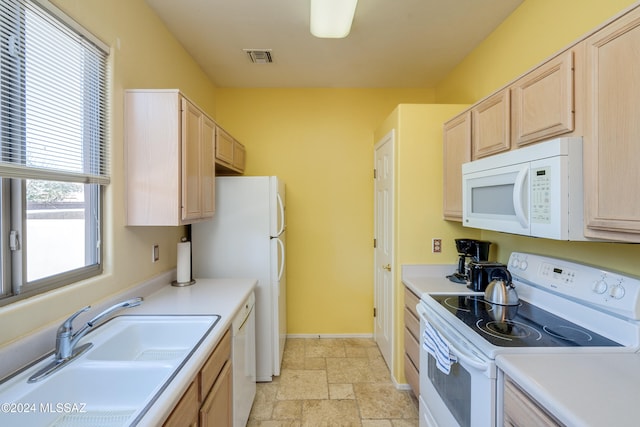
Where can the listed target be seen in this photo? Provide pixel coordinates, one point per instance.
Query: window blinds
(53, 110)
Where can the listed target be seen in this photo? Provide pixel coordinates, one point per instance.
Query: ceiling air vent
(259, 56)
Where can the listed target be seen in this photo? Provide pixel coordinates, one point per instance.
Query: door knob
(387, 267)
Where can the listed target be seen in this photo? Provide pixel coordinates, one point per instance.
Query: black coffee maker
(480, 273)
(468, 250)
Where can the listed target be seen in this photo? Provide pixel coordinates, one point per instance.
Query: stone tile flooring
(332, 382)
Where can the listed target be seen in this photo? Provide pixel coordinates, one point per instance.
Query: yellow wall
(534, 32)
(320, 141)
(418, 200)
(147, 56)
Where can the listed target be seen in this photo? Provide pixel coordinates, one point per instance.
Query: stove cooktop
(524, 325)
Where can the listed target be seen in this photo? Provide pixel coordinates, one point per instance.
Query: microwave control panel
(541, 195)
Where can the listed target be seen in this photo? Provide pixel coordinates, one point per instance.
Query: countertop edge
(157, 302)
(577, 389)
(534, 389)
(222, 297)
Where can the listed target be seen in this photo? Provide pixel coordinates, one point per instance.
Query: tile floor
(333, 382)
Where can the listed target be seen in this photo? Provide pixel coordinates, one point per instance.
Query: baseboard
(330, 336)
(400, 386)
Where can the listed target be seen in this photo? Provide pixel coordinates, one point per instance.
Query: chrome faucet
(66, 339)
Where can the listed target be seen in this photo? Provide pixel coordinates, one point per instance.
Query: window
(53, 157)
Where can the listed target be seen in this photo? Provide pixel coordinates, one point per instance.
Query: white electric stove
(564, 307)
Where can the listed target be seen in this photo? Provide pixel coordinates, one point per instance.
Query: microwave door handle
(518, 197)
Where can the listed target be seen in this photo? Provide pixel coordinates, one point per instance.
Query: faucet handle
(67, 325)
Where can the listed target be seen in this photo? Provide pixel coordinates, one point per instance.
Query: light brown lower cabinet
(216, 410)
(411, 341)
(209, 399)
(185, 413)
(520, 410)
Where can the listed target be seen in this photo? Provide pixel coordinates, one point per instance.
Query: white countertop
(431, 278)
(581, 390)
(206, 297)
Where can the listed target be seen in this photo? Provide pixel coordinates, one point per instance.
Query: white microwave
(533, 191)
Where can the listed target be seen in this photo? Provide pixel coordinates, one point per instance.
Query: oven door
(466, 397)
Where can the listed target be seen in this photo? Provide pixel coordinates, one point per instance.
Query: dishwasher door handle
(244, 321)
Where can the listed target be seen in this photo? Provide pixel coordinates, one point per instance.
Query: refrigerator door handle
(281, 208)
(281, 267)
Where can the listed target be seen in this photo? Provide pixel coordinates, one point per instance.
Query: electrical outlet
(436, 245)
(155, 253)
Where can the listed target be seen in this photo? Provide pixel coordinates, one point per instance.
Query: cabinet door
(456, 151)
(185, 413)
(224, 146)
(208, 168)
(542, 101)
(522, 411)
(490, 123)
(217, 408)
(239, 156)
(191, 150)
(611, 144)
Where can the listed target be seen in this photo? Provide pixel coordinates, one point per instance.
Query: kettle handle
(501, 273)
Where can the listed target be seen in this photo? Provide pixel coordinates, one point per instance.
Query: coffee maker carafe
(468, 250)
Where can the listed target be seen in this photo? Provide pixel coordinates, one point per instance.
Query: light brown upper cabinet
(612, 137)
(169, 159)
(542, 101)
(490, 125)
(456, 151)
(230, 154)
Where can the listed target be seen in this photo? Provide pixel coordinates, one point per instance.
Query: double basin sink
(114, 383)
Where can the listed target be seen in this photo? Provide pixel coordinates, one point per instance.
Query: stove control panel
(608, 290)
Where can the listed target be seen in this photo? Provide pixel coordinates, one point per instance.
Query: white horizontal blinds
(53, 98)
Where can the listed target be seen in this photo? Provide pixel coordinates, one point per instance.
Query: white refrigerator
(246, 239)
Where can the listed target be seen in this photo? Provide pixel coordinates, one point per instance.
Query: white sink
(85, 392)
(148, 338)
(115, 382)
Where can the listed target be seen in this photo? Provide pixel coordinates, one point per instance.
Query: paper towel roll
(184, 262)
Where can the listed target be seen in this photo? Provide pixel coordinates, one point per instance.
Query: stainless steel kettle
(500, 289)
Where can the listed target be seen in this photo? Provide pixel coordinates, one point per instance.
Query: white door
(383, 253)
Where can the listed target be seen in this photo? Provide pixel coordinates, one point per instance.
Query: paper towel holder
(183, 284)
(185, 257)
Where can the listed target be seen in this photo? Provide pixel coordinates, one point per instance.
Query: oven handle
(469, 359)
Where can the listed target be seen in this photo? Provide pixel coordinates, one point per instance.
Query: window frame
(13, 204)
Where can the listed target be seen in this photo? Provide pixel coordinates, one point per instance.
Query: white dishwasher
(244, 361)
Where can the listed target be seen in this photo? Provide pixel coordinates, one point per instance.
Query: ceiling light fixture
(332, 18)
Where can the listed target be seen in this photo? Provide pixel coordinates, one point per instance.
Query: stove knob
(515, 262)
(599, 287)
(616, 291)
(524, 265)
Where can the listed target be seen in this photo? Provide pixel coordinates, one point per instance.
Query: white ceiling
(393, 43)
